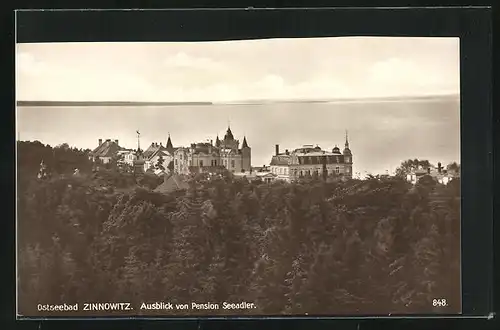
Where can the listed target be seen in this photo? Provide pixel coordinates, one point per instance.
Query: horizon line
(237, 102)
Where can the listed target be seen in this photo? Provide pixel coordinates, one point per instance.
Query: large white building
(310, 161)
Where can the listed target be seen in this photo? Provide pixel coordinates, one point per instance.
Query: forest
(373, 246)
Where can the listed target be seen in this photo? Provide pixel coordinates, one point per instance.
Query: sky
(225, 71)
(382, 132)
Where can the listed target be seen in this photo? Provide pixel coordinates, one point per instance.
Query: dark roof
(149, 151)
(107, 149)
(169, 143)
(173, 183)
(229, 135)
(280, 160)
(245, 144)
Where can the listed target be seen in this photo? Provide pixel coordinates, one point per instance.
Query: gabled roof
(150, 150)
(169, 143)
(173, 183)
(106, 149)
(229, 135)
(161, 151)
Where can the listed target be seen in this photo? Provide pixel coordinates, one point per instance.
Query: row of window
(284, 171)
(213, 163)
(317, 160)
(315, 172)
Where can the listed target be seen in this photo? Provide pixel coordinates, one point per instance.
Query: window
(347, 169)
(190, 163)
(337, 159)
(201, 163)
(232, 163)
(176, 162)
(337, 170)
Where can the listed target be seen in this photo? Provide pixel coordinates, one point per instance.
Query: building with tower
(310, 161)
(198, 157)
(210, 156)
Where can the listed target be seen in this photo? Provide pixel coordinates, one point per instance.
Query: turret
(347, 151)
(229, 135)
(347, 158)
(246, 152)
(245, 144)
(169, 145)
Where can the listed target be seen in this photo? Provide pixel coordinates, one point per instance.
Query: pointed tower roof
(217, 141)
(169, 143)
(347, 151)
(245, 144)
(229, 134)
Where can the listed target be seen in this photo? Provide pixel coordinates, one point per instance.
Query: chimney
(100, 141)
(428, 170)
(287, 152)
(439, 167)
(211, 142)
(116, 141)
(277, 149)
(108, 140)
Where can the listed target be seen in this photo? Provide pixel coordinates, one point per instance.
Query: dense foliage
(374, 246)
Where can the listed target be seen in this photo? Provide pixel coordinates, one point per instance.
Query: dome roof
(336, 150)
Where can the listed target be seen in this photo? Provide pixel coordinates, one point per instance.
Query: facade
(157, 150)
(224, 153)
(129, 156)
(312, 161)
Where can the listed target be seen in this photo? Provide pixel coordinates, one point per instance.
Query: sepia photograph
(267, 177)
